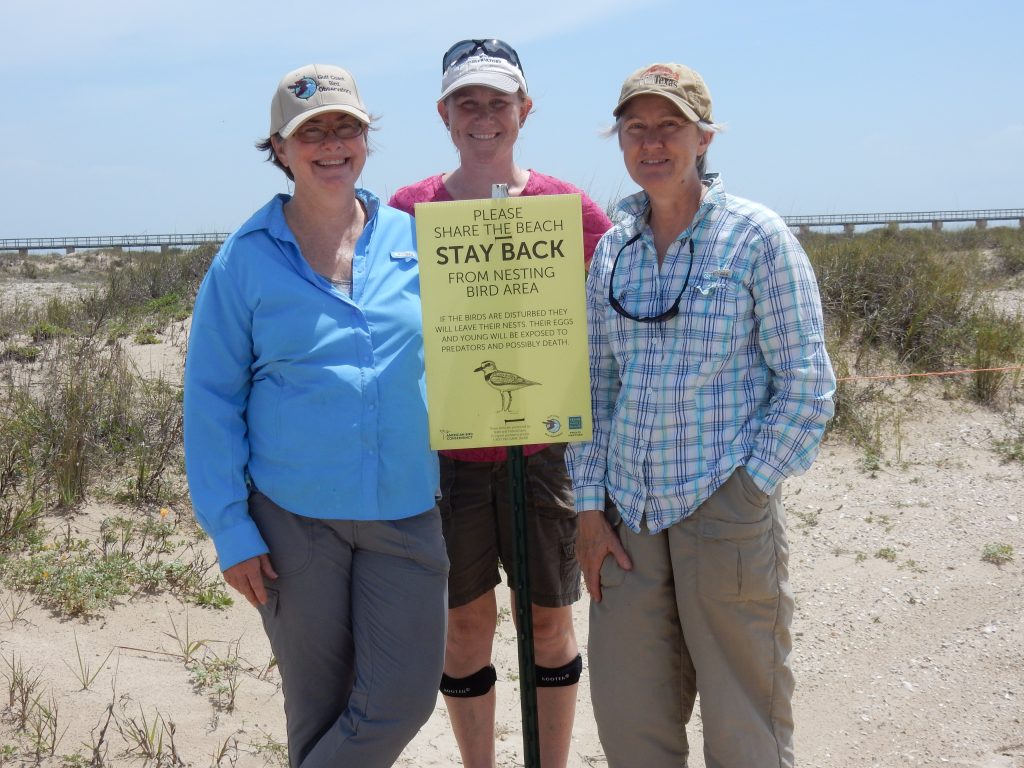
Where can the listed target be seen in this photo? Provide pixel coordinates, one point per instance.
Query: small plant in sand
(218, 677)
(23, 688)
(997, 554)
(85, 673)
(1011, 447)
(146, 336)
(43, 727)
(227, 751)
(886, 553)
(12, 606)
(273, 751)
(19, 353)
(151, 739)
(77, 577)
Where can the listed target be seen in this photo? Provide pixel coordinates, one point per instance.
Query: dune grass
(78, 421)
(917, 301)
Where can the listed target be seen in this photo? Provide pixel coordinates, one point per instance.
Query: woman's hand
(594, 542)
(246, 577)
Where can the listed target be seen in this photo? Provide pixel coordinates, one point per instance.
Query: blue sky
(135, 116)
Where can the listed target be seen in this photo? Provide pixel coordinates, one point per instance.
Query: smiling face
(483, 122)
(318, 158)
(660, 147)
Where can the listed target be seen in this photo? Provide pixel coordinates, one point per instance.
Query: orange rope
(930, 373)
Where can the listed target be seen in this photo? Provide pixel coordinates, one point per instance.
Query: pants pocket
(750, 488)
(612, 574)
(736, 554)
(288, 536)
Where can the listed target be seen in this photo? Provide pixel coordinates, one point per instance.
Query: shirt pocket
(705, 330)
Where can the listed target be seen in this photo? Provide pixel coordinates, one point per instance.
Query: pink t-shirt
(595, 224)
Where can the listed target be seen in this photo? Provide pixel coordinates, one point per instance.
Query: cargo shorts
(476, 515)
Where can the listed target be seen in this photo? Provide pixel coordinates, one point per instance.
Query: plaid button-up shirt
(739, 377)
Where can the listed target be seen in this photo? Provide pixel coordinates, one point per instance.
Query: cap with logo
(680, 85)
(314, 90)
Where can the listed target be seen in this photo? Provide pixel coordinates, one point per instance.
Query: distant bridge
(110, 242)
(848, 221)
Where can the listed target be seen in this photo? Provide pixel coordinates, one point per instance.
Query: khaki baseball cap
(313, 90)
(680, 85)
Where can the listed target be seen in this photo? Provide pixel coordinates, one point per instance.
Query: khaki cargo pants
(706, 609)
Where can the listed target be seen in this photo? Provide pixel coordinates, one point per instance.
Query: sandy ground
(913, 659)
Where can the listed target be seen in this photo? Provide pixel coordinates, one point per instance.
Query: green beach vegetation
(83, 423)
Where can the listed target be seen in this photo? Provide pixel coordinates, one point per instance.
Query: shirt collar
(271, 216)
(631, 212)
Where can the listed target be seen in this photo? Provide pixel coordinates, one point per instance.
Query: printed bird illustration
(505, 382)
(303, 87)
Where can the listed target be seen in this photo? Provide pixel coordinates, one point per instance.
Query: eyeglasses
(314, 134)
(668, 313)
(466, 48)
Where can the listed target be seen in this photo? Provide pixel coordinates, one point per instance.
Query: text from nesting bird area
(478, 331)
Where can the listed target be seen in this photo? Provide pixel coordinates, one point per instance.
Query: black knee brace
(558, 677)
(477, 684)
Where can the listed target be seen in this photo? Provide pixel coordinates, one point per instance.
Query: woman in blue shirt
(306, 437)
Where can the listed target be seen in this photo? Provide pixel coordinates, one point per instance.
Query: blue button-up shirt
(739, 377)
(316, 397)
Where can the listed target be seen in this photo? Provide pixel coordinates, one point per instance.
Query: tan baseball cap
(680, 85)
(313, 90)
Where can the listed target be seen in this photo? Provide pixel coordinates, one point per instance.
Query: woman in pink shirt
(483, 104)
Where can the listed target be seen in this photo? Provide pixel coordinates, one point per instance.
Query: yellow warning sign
(504, 321)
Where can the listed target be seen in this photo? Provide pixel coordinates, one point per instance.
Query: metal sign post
(524, 601)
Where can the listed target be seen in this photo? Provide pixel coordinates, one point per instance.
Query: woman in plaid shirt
(710, 384)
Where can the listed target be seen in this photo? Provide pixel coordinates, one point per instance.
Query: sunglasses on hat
(465, 48)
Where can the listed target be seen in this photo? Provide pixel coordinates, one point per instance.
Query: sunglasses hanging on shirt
(669, 313)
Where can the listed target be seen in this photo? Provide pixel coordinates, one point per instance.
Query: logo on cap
(658, 75)
(303, 88)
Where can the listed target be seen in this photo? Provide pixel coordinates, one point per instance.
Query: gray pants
(356, 620)
(707, 608)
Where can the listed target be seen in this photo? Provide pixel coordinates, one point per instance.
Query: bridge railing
(848, 221)
(111, 241)
(917, 217)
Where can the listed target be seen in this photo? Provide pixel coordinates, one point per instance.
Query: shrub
(886, 288)
(996, 343)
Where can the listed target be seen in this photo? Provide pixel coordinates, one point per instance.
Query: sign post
(524, 596)
(504, 330)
